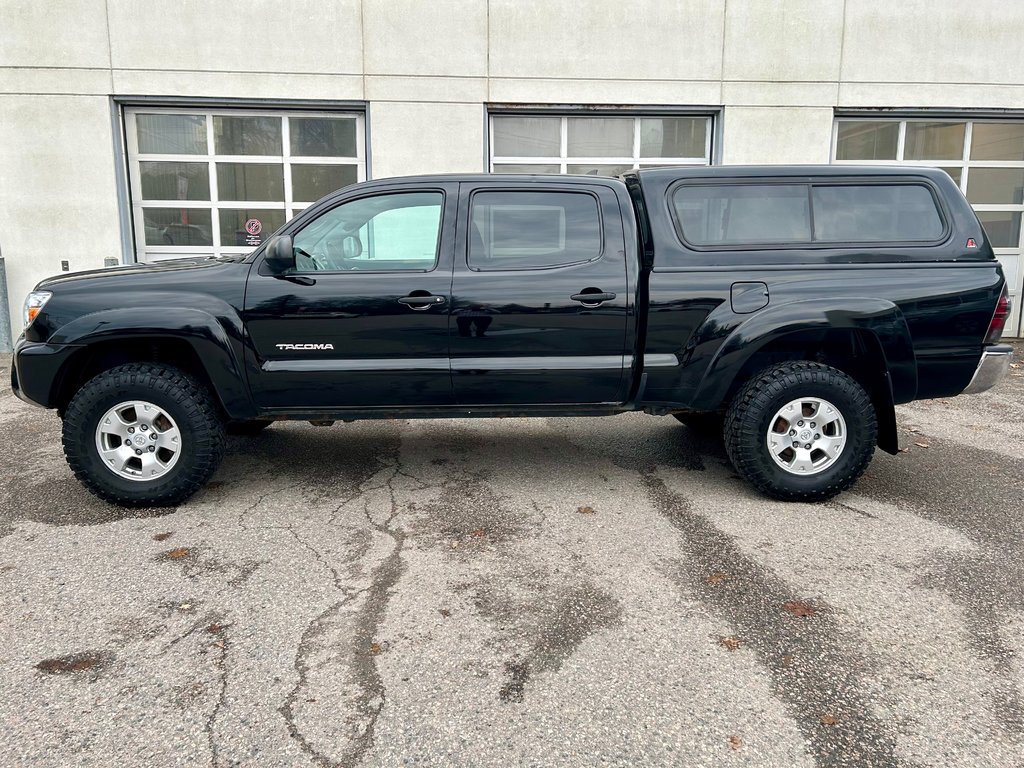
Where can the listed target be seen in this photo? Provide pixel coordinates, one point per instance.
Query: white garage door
(216, 182)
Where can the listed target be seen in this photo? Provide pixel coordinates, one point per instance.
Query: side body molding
(880, 322)
(217, 339)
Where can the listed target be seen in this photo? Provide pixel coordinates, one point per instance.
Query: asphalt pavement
(543, 592)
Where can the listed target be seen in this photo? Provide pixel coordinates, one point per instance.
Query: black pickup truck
(788, 308)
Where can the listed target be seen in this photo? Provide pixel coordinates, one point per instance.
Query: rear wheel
(143, 435)
(801, 431)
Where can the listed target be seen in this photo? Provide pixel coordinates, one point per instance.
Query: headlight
(34, 302)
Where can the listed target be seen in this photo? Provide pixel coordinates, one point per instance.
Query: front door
(540, 303)
(363, 321)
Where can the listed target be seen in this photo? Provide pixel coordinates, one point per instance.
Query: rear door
(364, 320)
(540, 307)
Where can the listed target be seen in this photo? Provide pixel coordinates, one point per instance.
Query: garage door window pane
(756, 213)
(178, 226)
(533, 230)
(875, 213)
(867, 140)
(247, 135)
(250, 181)
(503, 168)
(955, 174)
(248, 226)
(171, 134)
(934, 141)
(175, 181)
(998, 141)
(527, 136)
(311, 182)
(600, 137)
(322, 137)
(673, 136)
(996, 186)
(1002, 228)
(599, 170)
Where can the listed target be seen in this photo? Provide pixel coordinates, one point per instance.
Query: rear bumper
(992, 368)
(35, 370)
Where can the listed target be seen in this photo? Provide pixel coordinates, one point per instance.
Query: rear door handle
(592, 299)
(420, 302)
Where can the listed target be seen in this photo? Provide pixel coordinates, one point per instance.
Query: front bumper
(992, 368)
(36, 370)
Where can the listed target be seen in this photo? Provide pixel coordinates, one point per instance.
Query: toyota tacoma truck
(787, 308)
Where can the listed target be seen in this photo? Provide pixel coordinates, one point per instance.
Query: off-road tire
(247, 428)
(185, 399)
(757, 402)
(704, 424)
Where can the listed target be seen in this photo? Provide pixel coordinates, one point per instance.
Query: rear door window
(533, 230)
(869, 213)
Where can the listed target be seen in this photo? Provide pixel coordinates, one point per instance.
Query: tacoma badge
(305, 346)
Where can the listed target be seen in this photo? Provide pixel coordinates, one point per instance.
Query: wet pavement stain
(552, 621)
(467, 515)
(814, 663)
(194, 564)
(987, 585)
(76, 663)
(514, 691)
(370, 605)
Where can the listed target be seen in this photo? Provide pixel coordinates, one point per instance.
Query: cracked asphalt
(519, 592)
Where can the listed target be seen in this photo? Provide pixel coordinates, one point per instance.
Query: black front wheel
(801, 431)
(143, 435)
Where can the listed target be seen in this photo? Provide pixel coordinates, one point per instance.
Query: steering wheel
(310, 257)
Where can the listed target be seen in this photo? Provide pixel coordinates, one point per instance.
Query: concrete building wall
(428, 72)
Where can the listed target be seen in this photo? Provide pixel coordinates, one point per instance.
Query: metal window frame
(712, 137)
(127, 160)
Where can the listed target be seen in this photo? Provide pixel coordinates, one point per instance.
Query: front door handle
(592, 298)
(421, 300)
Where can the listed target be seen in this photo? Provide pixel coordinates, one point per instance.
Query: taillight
(999, 318)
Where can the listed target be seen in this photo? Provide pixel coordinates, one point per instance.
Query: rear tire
(187, 406)
(758, 434)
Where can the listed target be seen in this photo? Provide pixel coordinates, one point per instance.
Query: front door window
(380, 233)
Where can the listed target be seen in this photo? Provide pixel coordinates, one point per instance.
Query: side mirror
(280, 254)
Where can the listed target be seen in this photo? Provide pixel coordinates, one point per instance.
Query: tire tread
(744, 447)
(186, 392)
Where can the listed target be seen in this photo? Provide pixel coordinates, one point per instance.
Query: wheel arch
(189, 339)
(868, 339)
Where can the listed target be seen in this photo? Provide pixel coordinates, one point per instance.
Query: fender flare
(217, 344)
(879, 320)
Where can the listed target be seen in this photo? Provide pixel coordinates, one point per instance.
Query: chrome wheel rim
(137, 440)
(806, 436)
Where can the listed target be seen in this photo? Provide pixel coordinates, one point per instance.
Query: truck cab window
(533, 230)
(380, 233)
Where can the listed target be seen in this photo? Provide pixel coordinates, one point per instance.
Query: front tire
(143, 434)
(801, 431)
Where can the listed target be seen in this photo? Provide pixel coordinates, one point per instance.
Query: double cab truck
(787, 308)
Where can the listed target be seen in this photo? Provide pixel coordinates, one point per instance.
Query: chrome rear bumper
(992, 368)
